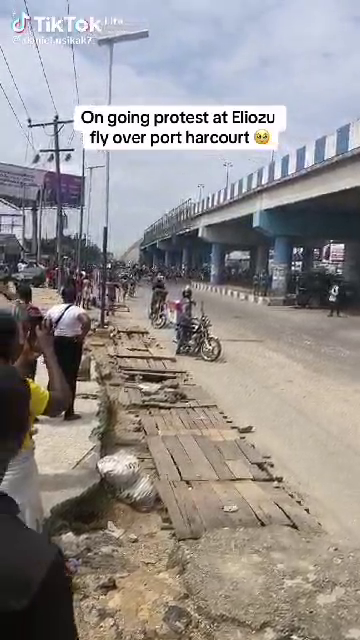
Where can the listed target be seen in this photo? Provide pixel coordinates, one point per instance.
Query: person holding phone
(28, 317)
(21, 480)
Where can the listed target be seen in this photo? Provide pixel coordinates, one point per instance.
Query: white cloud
(303, 55)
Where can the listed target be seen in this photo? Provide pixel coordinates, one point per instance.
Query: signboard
(17, 182)
(24, 183)
(71, 188)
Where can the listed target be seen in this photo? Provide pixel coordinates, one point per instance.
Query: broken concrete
(275, 584)
(67, 452)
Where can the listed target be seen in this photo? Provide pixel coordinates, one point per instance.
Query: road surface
(294, 375)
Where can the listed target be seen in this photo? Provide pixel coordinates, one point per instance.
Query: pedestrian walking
(71, 325)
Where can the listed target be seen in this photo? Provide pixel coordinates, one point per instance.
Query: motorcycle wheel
(159, 321)
(211, 349)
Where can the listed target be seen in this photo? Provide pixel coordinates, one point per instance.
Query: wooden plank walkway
(208, 476)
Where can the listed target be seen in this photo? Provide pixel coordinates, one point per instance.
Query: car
(32, 274)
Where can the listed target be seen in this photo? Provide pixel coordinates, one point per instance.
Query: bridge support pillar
(282, 265)
(352, 263)
(168, 259)
(262, 258)
(217, 263)
(186, 260)
(307, 259)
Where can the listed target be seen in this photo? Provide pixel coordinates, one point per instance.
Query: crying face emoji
(262, 136)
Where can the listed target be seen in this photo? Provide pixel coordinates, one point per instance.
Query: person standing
(21, 480)
(35, 588)
(334, 300)
(71, 325)
(28, 316)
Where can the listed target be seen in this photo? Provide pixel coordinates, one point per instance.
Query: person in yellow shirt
(21, 481)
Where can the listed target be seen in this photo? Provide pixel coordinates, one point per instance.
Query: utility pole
(82, 205)
(59, 226)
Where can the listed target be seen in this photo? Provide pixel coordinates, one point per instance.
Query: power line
(14, 81)
(73, 61)
(16, 116)
(40, 58)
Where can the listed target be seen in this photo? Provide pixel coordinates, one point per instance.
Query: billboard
(71, 189)
(17, 182)
(24, 183)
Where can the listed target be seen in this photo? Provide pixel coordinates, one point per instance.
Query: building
(10, 249)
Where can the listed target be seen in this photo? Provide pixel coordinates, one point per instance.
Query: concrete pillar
(252, 261)
(281, 266)
(217, 263)
(307, 259)
(167, 259)
(186, 259)
(262, 258)
(352, 263)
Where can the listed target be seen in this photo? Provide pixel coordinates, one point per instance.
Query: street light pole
(201, 188)
(107, 198)
(227, 166)
(110, 40)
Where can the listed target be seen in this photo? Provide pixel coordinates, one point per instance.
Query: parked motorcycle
(201, 342)
(159, 317)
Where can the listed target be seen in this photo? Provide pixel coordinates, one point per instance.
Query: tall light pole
(228, 166)
(109, 41)
(201, 191)
(90, 169)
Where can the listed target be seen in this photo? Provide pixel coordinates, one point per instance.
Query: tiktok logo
(19, 25)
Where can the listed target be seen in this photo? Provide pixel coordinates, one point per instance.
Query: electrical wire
(14, 81)
(16, 116)
(40, 58)
(73, 60)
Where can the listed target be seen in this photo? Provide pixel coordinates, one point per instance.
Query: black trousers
(69, 352)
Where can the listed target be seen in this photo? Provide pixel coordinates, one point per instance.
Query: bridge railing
(345, 140)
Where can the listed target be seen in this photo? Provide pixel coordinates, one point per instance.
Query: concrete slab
(273, 583)
(67, 453)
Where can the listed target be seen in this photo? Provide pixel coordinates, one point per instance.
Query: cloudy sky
(300, 54)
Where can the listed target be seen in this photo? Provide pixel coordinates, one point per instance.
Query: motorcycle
(201, 342)
(158, 317)
(132, 289)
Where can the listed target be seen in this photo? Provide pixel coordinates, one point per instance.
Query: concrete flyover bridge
(303, 199)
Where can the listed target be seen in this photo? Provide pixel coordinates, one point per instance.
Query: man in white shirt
(71, 325)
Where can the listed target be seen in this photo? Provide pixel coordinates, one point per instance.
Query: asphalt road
(293, 375)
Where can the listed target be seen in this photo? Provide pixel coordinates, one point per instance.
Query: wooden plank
(204, 470)
(301, 520)
(215, 458)
(209, 505)
(178, 424)
(235, 460)
(182, 460)
(162, 458)
(149, 425)
(187, 504)
(261, 503)
(250, 452)
(167, 495)
(229, 496)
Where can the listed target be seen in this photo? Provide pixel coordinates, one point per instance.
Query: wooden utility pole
(59, 222)
(81, 222)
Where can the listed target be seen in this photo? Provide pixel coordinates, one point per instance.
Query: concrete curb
(67, 455)
(232, 293)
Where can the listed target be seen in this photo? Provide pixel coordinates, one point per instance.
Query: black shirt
(35, 592)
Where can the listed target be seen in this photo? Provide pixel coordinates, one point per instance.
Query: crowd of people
(35, 583)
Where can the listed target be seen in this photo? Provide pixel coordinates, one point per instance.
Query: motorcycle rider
(159, 294)
(184, 326)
